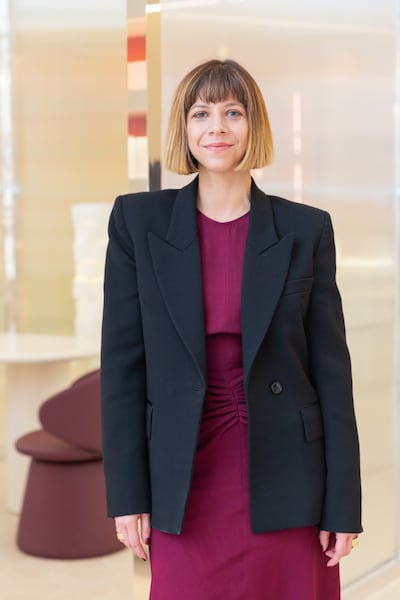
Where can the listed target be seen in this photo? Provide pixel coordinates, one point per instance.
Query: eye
(200, 114)
(234, 113)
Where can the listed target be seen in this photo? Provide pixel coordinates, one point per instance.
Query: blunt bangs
(217, 84)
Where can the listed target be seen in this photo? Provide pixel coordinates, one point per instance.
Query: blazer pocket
(312, 422)
(298, 286)
(149, 420)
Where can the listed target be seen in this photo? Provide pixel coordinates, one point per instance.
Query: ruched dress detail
(217, 557)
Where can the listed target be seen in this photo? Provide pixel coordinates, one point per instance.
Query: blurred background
(85, 90)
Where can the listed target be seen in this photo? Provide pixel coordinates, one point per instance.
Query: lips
(217, 146)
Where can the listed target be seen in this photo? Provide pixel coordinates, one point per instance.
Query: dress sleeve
(123, 377)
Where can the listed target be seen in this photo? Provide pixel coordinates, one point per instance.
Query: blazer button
(276, 387)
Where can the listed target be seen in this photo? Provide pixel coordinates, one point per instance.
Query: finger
(145, 528)
(123, 536)
(324, 539)
(128, 527)
(134, 542)
(342, 548)
(121, 531)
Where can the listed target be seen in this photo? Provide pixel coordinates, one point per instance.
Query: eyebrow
(229, 103)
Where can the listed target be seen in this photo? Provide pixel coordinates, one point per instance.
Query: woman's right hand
(135, 532)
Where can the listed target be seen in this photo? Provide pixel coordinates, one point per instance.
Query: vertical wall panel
(70, 110)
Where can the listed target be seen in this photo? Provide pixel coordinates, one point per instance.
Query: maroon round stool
(73, 414)
(64, 508)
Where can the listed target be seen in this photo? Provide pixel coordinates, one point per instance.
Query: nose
(217, 124)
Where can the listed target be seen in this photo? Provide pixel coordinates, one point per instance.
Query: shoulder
(307, 223)
(303, 219)
(291, 209)
(145, 211)
(143, 202)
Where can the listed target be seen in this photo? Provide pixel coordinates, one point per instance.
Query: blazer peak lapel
(177, 266)
(266, 264)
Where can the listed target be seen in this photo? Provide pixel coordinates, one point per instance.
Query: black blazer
(303, 446)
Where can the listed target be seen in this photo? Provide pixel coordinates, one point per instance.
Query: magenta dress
(217, 556)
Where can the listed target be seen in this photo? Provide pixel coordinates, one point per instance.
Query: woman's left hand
(343, 545)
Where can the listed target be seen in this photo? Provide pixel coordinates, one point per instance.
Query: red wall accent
(137, 124)
(136, 48)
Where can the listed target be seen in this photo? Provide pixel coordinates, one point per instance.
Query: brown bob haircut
(216, 81)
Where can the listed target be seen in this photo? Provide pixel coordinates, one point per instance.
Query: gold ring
(120, 536)
(355, 542)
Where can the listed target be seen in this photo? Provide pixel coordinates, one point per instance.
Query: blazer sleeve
(123, 377)
(331, 374)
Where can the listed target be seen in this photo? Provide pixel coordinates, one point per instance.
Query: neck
(222, 196)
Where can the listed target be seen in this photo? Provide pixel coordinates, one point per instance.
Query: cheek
(191, 145)
(243, 135)
(246, 136)
(192, 135)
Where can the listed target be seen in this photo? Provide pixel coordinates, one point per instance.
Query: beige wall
(70, 120)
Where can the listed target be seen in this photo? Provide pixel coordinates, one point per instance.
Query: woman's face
(217, 134)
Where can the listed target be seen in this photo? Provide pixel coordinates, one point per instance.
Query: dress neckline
(203, 216)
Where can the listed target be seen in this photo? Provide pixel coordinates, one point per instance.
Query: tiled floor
(385, 586)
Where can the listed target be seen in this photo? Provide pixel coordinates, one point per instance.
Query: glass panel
(69, 111)
(327, 71)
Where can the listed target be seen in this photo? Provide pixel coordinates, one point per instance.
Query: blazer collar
(183, 224)
(262, 233)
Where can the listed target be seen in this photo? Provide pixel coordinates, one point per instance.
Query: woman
(230, 442)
